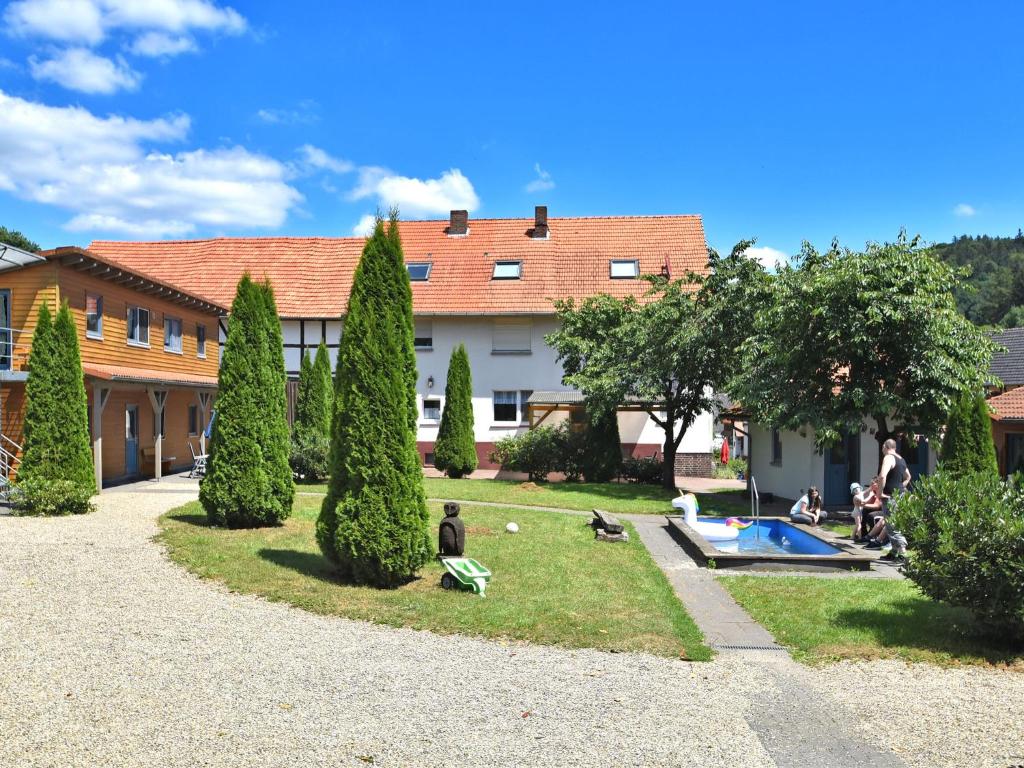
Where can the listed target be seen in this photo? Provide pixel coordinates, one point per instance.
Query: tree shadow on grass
(196, 519)
(311, 564)
(927, 625)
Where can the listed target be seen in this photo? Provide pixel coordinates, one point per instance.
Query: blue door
(915, 453)
(131, 440)
(842, 466)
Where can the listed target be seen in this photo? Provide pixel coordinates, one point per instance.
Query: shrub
(455, 449)
(310, 455)
(248, 482)
(967, 446)
(731, 469)
(646, 470)
(57, 445)
(39, 496)
(967, 535)
(373, 523)
(535, 452)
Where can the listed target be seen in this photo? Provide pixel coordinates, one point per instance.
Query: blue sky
(785, 122)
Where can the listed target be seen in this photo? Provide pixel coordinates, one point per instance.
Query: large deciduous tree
(668, 351)
(248, 482)
(455, 449)
(848, 335)
(373, 524)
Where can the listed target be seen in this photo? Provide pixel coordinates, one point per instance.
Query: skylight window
(507, 270)
(419, 271)
(625, 268)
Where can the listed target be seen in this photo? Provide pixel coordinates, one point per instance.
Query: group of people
(871, 524)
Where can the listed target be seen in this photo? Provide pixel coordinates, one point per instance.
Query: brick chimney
(458, 223)
(540, 221)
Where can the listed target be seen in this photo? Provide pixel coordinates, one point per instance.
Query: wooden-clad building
(150, 354)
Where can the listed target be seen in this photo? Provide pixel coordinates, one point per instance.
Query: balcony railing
(14, 349)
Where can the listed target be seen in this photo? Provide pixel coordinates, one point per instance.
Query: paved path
(110, 655)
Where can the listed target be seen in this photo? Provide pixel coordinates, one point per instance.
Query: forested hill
(997, 274)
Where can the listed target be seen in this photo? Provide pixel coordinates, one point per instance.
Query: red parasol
(725, 452)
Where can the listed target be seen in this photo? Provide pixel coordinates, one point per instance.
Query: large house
(487, 283)
(149, 353)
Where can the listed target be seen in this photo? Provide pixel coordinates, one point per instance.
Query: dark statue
(451, 535)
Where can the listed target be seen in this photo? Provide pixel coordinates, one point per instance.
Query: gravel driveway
(110, 655)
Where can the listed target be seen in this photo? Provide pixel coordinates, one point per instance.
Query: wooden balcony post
(99, 402)
(158, 399)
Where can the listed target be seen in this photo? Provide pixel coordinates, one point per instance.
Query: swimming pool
(772, 537)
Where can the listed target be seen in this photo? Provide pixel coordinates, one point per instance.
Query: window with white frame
(93, 316)
(172, 334)
(138, 326)
(507, 270)
(423, 336)
(512, 337)
(624, 269)
(432, 409)
(419, 271)
(506, 406)
(200, 340)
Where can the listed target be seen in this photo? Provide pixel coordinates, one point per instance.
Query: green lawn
(829, 619)
(553, 583)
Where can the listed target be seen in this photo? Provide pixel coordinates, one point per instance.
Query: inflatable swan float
(710, 531)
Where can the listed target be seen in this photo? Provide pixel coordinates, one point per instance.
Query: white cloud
(306, 113)
(770, 258)
(543, 182)
(315, 158)
(101, 170)
(364, 227)
(161, 44)
(79, 69)
(89, 21)
(417, 197)
(964, 210)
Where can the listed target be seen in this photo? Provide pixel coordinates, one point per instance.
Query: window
(172, 334)
(201, 340)
(193, 420)
(138, 326)
(507, 270)
(776, 447)
(432, 410)
(419, 271)
(524, 395)
(93, 316)
(506, 406)
(163, 431)
(428, 458)
(511, 337)
(423, 336)
(624, 268)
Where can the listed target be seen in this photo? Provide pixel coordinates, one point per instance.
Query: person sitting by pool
(865, 502)
(807, 509)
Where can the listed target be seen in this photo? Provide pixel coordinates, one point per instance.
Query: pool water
(777, 537)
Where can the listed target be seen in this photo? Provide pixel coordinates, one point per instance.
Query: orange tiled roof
(146, 375)
(312, 276)
(1008, 406)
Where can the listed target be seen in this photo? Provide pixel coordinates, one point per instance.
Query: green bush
(310, 455)
(373, 523)
(39, 496)
(248, 482)
(967, 539)
(455, 449)
(602, 447)
(646, 470)
(967, 446)
(536, 452)
(730, 470)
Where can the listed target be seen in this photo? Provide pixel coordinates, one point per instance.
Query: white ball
(512, 528)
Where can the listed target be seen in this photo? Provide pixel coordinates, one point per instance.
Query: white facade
(508, 360)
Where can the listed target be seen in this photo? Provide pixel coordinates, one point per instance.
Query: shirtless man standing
(893, 477)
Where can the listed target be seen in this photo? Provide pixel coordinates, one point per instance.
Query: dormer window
(507, 270)
(419, 271)
(624, 269)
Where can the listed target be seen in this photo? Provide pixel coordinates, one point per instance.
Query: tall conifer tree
(455, 449)
(967, 446)
(373, 522)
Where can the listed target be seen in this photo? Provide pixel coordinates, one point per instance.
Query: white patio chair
(198, 462)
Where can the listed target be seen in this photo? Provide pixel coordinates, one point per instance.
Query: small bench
(607, 527)
(149, 462)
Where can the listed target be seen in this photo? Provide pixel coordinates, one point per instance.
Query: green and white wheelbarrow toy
(464, 573)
